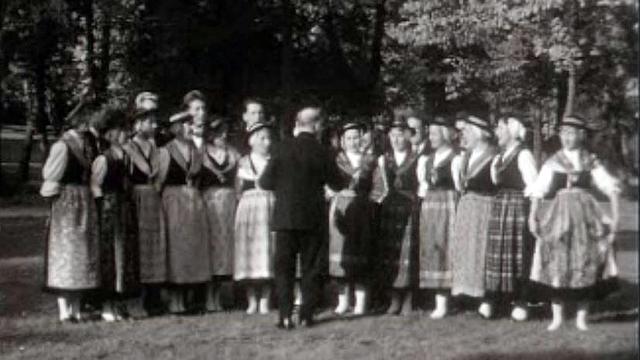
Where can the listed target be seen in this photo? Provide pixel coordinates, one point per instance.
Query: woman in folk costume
(218, 180)
(510, 246)
(111, 187)
(471, 230)
(185, 224)
(574, 248)
(437, 213)
(350, 221)
(72, 258)
(397, 171)
(253, 260)
(141, 151)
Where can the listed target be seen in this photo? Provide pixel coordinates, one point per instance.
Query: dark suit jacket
(297, 172)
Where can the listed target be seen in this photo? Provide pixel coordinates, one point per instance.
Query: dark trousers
(288, 244)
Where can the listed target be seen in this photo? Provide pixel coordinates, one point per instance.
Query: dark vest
(116, 178)
(209, 178)
(509, 176)
(580, 179)
(440, 177)
(137, 176)
(401, 178)
(75, 173)
(481, 181)
(176, 175)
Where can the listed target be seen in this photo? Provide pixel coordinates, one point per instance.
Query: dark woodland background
(355, 58)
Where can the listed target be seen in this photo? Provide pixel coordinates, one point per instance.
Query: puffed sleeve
(542, 185)
(421, 173)
(98, 173)
(456, 172)
(528, 169)
(604, 181)
(53, 169)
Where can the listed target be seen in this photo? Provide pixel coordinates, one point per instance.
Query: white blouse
(526, 165)
(98, 173)
(603, 180)
(55, 165)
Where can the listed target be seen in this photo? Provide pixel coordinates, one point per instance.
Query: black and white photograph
(319, 179)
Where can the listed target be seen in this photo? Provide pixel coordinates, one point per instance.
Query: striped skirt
(152, 246)
(349, 236)
(118, 245)
(186, 229)
(397, 219)
(72, 252)
(437, 222)
(254, 240)
(469, 245)
(571, 256)
(221, 210)
(509, 247)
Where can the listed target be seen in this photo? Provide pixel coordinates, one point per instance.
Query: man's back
(297, 173)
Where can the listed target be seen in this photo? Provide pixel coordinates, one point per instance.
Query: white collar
(511, 148)
(197, 140)
(400, 156)
(354, 159)
(574, 158)
(440, 156)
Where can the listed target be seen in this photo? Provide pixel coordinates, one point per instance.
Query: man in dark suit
(297, 172)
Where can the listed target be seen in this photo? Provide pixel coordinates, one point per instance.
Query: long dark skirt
(509, 246)
(437, 222)
(152, 245)
(221, 209)
(187, 232)
(568, 262)
(349, 236)
(118, 245)
(72, 251)
(397, 216)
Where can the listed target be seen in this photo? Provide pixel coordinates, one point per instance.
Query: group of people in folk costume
(457, 212)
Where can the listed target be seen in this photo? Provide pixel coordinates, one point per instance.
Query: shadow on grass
(556, 355)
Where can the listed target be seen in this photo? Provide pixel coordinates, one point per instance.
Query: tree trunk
(105, 56)
(571, 93)
(537, 135)
(375, 61)
(3, 72)
(41, 109)
(286, 76)
(23, 166)
(91, 43)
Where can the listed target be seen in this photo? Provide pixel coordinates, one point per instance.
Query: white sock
(361, 300)
(519, 313)
(441, 307)
(581, 318)
(64, 308)
(485, 309)
(252, 298)
(556, 310)
(108, 312)
(264, 300)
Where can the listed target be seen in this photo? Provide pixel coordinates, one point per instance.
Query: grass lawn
(29, 327)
